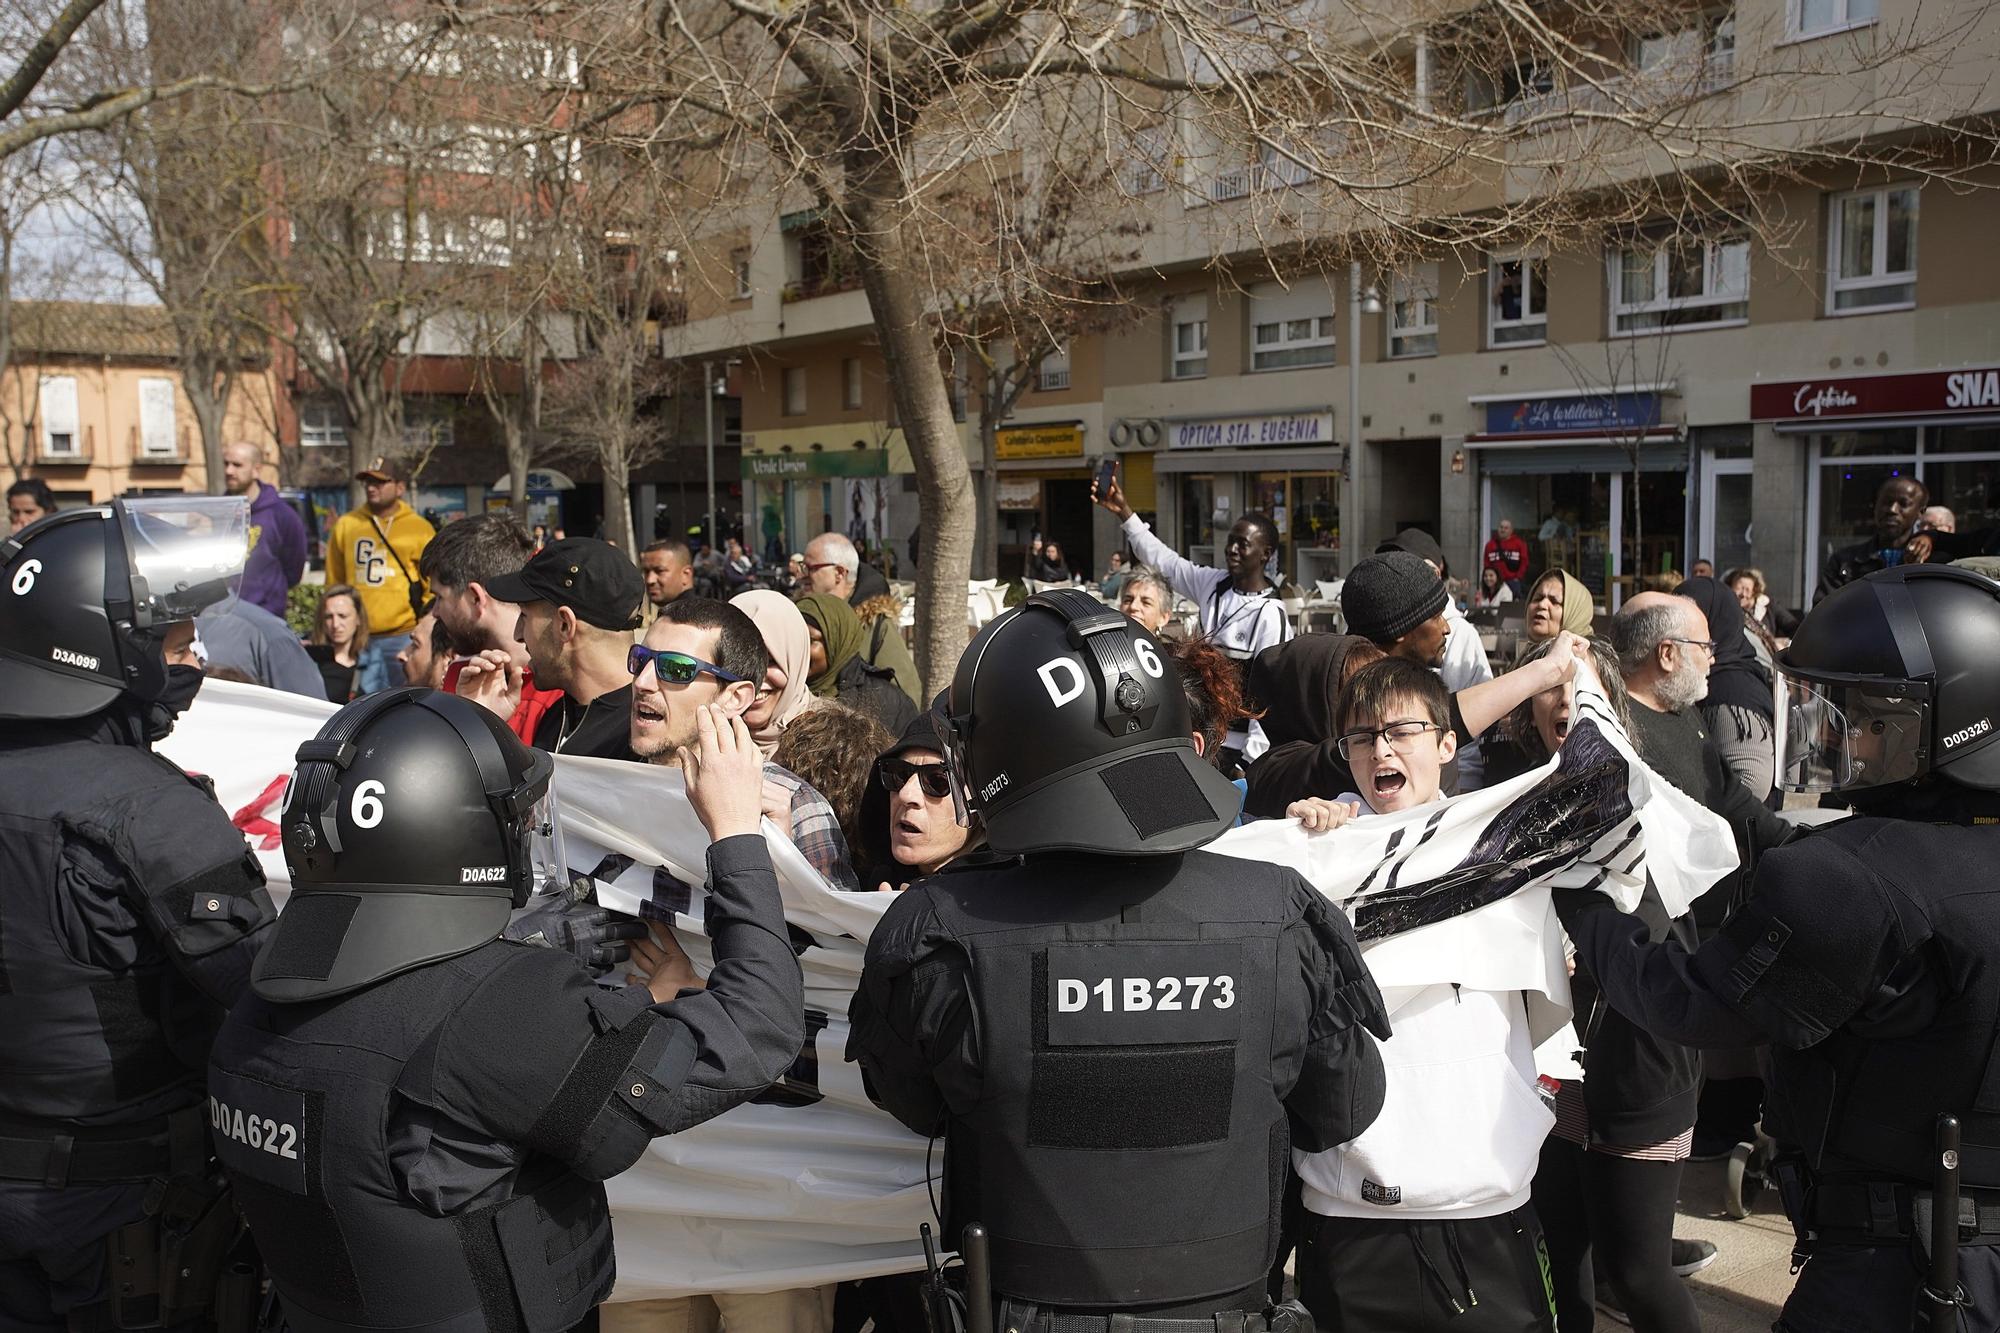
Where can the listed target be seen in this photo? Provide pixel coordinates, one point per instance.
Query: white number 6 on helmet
(1148, 659)
(24, 577)
(367, 805)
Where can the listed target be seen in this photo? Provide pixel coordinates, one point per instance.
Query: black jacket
(873, 690)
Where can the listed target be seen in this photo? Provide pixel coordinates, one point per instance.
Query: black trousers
(1612, 1217)
(1471, 1275)
(52, 1248)
(1874, 1289)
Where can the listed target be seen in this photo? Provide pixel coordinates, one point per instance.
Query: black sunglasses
(672, 668)
(933, 779)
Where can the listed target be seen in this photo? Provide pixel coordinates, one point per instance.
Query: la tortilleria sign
(1251, 432)
(1938, 393)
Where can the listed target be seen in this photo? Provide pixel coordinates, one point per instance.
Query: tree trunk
(526, 421)
(209, 408)
(947, 508)
(618, 527)
(374, 428)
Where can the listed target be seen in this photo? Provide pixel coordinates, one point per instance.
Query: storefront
(1941, 427)
(1596, 483)
(545, 488)
(1213, 470)
(794, 496)
(1043, 486)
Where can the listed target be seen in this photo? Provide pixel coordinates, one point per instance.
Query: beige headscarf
(784, 631)
(1579, 610)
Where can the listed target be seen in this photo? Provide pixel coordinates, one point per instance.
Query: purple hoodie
(277, 551)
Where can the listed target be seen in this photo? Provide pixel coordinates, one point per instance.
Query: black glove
(595, 935)
(1572, 905)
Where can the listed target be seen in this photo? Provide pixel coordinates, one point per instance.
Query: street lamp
(1358, 300)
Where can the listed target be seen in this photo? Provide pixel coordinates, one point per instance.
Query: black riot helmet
(1893, 677)
(87, 596)
(1068, 728)
(415, 823)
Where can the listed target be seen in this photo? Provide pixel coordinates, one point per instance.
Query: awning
(539, 479)
(1835, 425)
(1318, 458)
(1523, 455)
(1645, 439)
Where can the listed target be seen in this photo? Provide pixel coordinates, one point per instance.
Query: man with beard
(461, 565)
(1664, 653)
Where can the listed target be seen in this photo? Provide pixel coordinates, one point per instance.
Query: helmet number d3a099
(24, 577)
(366, 808)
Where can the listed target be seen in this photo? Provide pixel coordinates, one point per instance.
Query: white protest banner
(816, 1185)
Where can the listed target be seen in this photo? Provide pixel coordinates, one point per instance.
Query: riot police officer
(1110, 1027)
(1867, 952)
(130, 911)
(417, 1115)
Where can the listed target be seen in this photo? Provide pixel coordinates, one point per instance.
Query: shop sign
(1287, 428)
(1934, 392)
(1593, 412)
(827, 463)
(1057, 441)
(1018, 494)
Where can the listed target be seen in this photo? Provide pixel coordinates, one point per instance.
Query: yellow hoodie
(356, 555)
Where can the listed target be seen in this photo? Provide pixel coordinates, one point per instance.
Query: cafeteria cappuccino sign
(1941, 393)
(1252, 432)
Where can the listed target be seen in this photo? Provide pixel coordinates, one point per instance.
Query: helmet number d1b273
(24, 577)
(366, 808)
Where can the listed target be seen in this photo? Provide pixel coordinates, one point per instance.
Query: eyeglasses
(1694, 643)
(672, 668)
(824, 564)
(934, 779)
(1402, 738)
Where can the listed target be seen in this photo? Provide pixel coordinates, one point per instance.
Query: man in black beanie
(1396, 601)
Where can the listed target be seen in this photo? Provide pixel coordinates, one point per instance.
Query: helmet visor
(1839, 736)
(542, 828)
(187, 552)
(954, 757)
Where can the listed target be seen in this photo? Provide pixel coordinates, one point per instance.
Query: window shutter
(156, 417)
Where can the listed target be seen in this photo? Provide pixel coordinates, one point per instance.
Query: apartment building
(1632, 404)
(91, 403)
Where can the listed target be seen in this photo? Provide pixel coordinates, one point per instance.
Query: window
(850, 383)
(739, 264)
(795, 391)
(1872, 238)
(1190, 358)
(427, 424)
(1413, 326)
(1291, 328)
(1277, 170)
(156, 418)
(1701, 55)
(321, 423)
(61, 436)
(1684, 282)
(1143, 171)
(1811, 17)
(1518, 301)
(1052, 375)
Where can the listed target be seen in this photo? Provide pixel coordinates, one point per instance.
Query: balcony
(1675, 81)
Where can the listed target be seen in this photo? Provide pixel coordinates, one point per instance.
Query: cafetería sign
(1932, 393)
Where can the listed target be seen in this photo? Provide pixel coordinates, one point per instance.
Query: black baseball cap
(590, 577)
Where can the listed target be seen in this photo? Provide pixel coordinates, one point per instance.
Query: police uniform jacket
(1865, 954)
(426, 1153)
(1113, 1049)
(130, 913)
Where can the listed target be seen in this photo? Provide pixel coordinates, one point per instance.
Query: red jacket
(527, 713)
(1508, 555)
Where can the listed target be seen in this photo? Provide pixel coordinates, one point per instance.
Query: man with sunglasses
(579, 603)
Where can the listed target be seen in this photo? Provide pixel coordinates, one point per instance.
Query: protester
(1507, 555)
(1295, 691)
(1113, 582)
(834, 567)
(909, 822)
(28, 499)
(579, 603)
(1214, 689)
(277, 535)
(1046, 564)
(669, 569)
(783, 695)
(461, 565)
(838, 669)
(1610, 1170)
(339, 637)
(833, 749)
(1899, 504)
(1147, 599)
(376, 548)
(1492, 591)
(1464, 662)
(1739, 708)
(699, 651)
(1559, 602)
(240, 634)
(1454, 1147)
(428, 653)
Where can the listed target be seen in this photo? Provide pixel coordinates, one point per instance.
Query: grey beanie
(1389, 595)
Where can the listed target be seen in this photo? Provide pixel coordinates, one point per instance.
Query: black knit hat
(1389, 595)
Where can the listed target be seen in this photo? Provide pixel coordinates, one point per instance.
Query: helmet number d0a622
(366, 807)
(24, 577)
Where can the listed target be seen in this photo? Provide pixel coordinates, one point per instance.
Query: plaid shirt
(815, 830)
